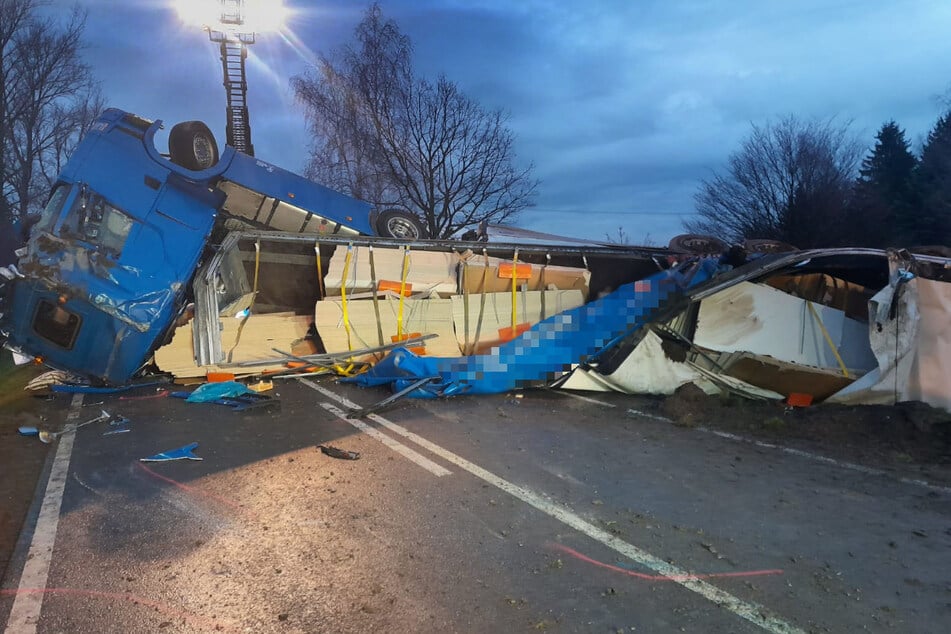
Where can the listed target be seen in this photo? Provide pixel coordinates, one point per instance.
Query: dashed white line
(424, 462)
(752, 612)
(25, 613)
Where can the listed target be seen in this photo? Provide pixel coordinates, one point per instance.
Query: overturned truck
(196, 262)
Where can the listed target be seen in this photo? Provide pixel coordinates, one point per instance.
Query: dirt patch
(907, 437)
(22, 457)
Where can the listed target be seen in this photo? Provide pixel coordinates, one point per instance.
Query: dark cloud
(622, 106)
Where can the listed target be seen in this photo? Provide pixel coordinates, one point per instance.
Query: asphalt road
(482, 514)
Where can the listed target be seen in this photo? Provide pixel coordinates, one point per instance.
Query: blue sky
(622, 105)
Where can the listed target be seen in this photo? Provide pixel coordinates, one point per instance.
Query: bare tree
(47, 100)
(790, 181)
(386, 136)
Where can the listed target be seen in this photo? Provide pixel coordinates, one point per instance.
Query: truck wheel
(396, 223)
(695, 244)
(192, 145)
(767, 246)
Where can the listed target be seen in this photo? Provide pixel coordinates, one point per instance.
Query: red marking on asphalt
(192, 619)
(641, 575)
(189, 489)
(159, 394)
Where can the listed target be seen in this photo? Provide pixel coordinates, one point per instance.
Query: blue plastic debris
(214, 391)
(549, 348)
(28, 431)
(182, 453)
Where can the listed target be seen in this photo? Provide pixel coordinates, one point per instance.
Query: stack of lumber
(428, 273)
(423, 316)
(260, 334)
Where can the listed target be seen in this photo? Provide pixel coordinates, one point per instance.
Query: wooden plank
(541, 277)
(260, 334)
(424, 316)
(429, 272)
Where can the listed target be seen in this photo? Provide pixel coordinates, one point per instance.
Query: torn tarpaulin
(550, 347)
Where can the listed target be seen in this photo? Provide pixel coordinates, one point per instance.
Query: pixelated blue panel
(549, 348)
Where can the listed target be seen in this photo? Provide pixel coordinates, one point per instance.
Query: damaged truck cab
(108, 262)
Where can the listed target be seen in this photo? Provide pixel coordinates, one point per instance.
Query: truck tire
(396, 223)
(192, 145)
(695, 244)
(767, 246)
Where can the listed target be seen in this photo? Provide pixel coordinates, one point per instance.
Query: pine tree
(884, 209)
(932, 224)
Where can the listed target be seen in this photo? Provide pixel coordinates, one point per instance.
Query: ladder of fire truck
(233, 56)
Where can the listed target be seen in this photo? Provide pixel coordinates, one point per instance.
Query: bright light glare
(199, 12)
(258, 16)
(264, 16)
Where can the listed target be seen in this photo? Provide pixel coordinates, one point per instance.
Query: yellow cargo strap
(343, 294)
(485, 276)
(320, 271)
(254, 294)
(825, 333)
(399, 312)
(376, 301)
(514, 291)
(465, 302)
(541, 283)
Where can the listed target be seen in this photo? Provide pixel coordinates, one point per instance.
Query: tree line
(806, 183)
(48, 98)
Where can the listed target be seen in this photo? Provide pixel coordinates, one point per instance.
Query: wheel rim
(204, 153)
(401, 228)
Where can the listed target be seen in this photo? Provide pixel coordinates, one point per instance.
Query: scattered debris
(48, 436)
(28, 431)
(340, 454)
(182, 453)
(113, 432)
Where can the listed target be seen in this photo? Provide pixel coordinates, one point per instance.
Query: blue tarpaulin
(549, 348)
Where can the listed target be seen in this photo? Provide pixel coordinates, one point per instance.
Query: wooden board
(424, 316)
(541, 277)
(497, 313)
(428, 273)
(260, 334)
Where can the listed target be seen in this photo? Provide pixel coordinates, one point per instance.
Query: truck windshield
(92, 219)
(52, 209)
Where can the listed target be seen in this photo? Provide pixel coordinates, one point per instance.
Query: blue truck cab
(108, 263)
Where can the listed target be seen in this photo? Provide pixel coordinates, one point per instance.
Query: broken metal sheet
(762, 320)
(911, 337)
(930, 377)
(646, 370)
(549, 348)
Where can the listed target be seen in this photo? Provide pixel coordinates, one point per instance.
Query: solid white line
(830, 461)
(398, 447)
(27, 605)
(638, 412)
(752, 612)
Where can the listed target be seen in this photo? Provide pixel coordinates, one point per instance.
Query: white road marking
(752, 612)
(27, 605)
(638, 412)
(398, 447)
(586, 399)
(824, 459)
